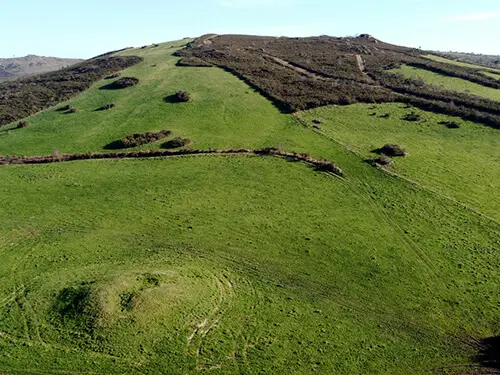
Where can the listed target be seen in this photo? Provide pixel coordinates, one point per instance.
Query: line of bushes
(320, 164)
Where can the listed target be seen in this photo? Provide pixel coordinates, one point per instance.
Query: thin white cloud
(253, 3)
(474, 17)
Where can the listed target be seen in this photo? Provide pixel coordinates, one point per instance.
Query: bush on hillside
(23, 124)
(391, 150)
(382, 160)
(450, 124)
(113, 76)
(413, 116)
(122, 83)
(106, 107)
(182, 96)
(64, 108)
(177, 143)
(138, 139)
(178, 97)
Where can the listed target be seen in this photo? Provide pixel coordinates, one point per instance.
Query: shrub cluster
(105, 107)
(382, 160)
(413, 116)
(23, 124)
(391, 150)
(177, 143)
(182, 96)
(122, 83)
(138, 139)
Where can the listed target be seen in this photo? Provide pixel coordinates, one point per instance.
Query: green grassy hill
(238, 264)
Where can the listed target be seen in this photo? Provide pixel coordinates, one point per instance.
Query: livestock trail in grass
(241, 265)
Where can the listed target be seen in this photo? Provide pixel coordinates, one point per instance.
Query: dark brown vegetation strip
(319, 164)
(24, 97)
(304, 73)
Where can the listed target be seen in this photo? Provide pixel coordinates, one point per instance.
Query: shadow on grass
(115, 145)
(489, 352)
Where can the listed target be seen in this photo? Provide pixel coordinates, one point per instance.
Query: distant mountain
(32, 64)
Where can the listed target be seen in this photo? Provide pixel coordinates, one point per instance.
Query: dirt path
(296, 68)
(361, 65)
(314, 75)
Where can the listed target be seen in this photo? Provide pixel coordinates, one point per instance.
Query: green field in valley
(246, 264)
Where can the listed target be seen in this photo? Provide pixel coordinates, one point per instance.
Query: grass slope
(458, 163)
(450, 83)
(239, 264)
(242, 265)
(224, 112)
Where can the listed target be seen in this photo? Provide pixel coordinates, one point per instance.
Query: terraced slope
(244, 264)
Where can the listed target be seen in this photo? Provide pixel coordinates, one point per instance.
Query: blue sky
(87, 28)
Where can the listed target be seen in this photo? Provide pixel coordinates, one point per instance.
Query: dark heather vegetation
(304, 73)
(24, 97)
(138, 139)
